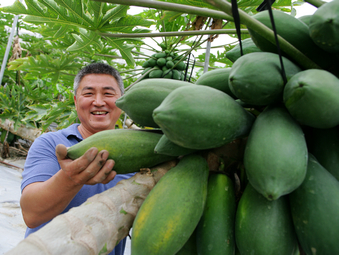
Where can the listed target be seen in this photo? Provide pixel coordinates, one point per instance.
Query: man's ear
(75, 100)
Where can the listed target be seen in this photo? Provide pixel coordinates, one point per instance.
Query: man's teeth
(99, 113)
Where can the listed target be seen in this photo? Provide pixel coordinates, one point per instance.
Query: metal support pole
(9, 44)
(207, 54)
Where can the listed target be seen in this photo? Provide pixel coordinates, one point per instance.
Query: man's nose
(99, 100)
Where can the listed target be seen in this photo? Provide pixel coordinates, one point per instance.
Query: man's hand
(91, 168)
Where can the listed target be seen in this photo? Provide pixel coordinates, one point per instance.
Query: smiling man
(52, 184)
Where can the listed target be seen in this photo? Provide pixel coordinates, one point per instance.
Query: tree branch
(96, 226)
(177, 33)
(173, 7)
(24, 132)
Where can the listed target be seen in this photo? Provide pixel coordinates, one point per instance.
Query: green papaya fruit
(181, 66)
(161, 62)
(167, 147)
(215, 231)
(182, 75)
(171, 211)
(163, 46)
(256, 78)
(195, 117)
(169, 64)
(275, 155)
(248, 46)
(324, 145)
(155, 73)
(160, 55)
(130, 149)
(140, 101)
(218, 79)
(168, 74)
(312, 98)
(145, 64)
(295, 32)
(152, 62)
(324, 27)
(263, 226)
(176, 74)
(315, 210)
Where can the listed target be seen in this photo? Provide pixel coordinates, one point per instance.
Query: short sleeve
(41, 162)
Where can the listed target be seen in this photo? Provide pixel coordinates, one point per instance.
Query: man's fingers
(109, 177)
(91, 168)
(61, 151)
(105, 175)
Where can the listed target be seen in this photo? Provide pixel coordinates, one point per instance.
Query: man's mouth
(99, 113)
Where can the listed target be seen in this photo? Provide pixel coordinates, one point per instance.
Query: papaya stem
(173, 7)
(266, 32)
(176, 33)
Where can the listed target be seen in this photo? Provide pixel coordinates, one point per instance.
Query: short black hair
(98, 68)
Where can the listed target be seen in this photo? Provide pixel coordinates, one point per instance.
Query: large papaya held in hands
(130, 149)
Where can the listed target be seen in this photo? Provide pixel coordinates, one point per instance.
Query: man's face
(95, 102)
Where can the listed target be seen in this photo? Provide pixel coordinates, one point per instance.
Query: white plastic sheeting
(12, 226)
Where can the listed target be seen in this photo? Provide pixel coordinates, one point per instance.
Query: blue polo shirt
(41, 164)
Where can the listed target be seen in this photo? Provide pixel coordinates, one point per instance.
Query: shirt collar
(72, 130)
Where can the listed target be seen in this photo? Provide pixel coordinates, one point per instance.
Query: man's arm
(42, 201)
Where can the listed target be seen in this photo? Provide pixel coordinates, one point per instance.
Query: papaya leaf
(124, 49)
(85, 41)
(36, 113)
(126, 24)
(62, 31)
(114, 14)
(75, 11)
(171, 16)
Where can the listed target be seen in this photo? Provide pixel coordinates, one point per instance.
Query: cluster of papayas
(280, 194)
(164, 64)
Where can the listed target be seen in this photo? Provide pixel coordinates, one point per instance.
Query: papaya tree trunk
(24, 132)
(99, 224)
